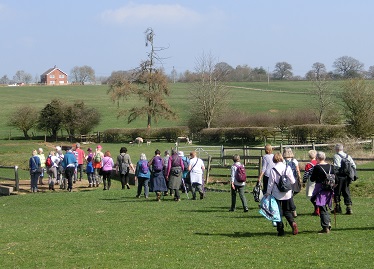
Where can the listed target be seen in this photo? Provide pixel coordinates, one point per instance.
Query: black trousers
(343, 189)
(69, 173)
(285, 209)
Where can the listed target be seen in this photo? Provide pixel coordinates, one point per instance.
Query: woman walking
(157, 183)
(142, 175)
(322, 197)
(123, 167)
(89, 168)
(267, 165)
(237, 186)
(107, 167)
(306, 178)
(174, 173)
(97, 164)
(196, 169)
(35, 166)
(284, 199)
(289, 159)
(52, 170)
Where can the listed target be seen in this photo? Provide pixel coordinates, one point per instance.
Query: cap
(99, 147)
(89, 149)
(180, 154)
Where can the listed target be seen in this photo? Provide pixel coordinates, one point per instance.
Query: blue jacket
(138, 170)
(34, 164)
(69, 158)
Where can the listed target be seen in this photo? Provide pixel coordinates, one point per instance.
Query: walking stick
(185, 189)
(334, 205)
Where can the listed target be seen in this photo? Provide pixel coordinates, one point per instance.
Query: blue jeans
(143, 182)
(34, 181)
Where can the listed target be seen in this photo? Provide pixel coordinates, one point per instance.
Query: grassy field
(96, 96)
(113, 229)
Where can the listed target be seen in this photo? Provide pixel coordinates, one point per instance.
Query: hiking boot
(349, 210)
(245, 209)
(316, 212)
(231, 209)
(337, 209)
(128, 186)
(201, 195)
(281, 233)
(325, 230)
(295, 230)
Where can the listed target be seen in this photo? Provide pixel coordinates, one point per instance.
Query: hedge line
(231, 134)
(317, 132)
(129, 134)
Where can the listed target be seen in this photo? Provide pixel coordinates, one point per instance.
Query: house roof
(52, 69)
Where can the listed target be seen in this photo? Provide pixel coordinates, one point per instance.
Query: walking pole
(185, 189)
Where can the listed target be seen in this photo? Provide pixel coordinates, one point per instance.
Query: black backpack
(346, 168)
(284, 184)
(329, 183)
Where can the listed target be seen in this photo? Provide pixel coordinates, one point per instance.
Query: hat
(99, 147)
(180, 154)
(58, 148)
(89, 149)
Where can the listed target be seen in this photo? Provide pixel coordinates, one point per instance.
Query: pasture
(241, 99)
(113, 229)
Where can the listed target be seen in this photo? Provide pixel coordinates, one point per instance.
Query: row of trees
(76, 118)
(344, 68)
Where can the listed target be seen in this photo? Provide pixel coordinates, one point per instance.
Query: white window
(62, 82)
(51, 76)
(52, 82)
(61, 76)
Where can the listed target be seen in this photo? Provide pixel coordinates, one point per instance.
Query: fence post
(16, 177)
(372, 143)
(208, 169)
(222, 155)
(313, 146)
(281, 147)
(244, 154)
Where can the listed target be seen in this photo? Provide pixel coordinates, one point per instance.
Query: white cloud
(133, 13)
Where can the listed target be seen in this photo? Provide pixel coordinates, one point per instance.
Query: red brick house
(54, 76)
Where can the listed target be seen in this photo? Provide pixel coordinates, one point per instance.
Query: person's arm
(151, 162)
(181, 163)
(169, 168)
(264, 167)
(352, 161)
(271, 182)
(202, 165)
(233, 171)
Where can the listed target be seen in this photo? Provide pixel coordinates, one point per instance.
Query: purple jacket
(322, 197)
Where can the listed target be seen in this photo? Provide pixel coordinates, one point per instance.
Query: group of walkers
(166, 175)
(325, 183)
(160, 174)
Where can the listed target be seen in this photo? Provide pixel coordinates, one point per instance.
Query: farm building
(54, 76)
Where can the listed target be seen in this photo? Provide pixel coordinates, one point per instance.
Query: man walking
(343, 180)
(69, 164)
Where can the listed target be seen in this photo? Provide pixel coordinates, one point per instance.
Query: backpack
(308, 173)
(240, 174)
(144, 167)
(48, 162)
(292, 165)
(157, 164)
(284, 184)
(346, 168)
(185, 163)
(97, 157)
(328, 183)
(124, 166)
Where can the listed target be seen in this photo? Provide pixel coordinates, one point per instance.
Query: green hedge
(119, 135)
(230, 134)
(317, 132)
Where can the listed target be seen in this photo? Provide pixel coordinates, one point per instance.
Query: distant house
(54, 76)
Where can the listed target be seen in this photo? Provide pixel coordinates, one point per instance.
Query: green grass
(96, 96)
(112, 229)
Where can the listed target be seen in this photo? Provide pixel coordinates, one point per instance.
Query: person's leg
(140, 184)
(69, 173)
(109, 181)
(337, 194)
(325, 219)
(146, 187)
(122, 179)
(41, 178)
(176, 195)
(347, 196)
(233, 198)
(265, 181)
(127, 178)
(105, 180)
(193, 190)
(199, 188)
(75, 175)
(242, 198)
(80, 170)
(287, 208)
(280, 225)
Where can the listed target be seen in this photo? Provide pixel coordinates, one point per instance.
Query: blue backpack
(292, 165)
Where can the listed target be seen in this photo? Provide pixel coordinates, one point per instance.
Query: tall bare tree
(149, 83)
(282, 71)
(82, 74)
(209, 93)
(318, 76)
(348, 67)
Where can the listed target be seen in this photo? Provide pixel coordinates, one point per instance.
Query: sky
(109, 35)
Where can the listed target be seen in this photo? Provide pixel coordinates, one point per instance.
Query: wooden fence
(16, 177)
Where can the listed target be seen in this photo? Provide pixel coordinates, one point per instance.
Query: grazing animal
(182, 139)
(138, 141)
(189, 142)
(148, 143)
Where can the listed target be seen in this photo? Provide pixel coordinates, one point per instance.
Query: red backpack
(240, 174)
(48, 162)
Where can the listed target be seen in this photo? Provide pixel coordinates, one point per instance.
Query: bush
(316, 132)
(248, 134)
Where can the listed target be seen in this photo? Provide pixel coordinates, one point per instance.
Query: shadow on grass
(238, 234)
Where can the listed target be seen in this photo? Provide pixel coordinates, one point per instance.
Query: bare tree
(4, 80)
(209, 94)
(82, 74)
(318, 76)
(348, 67)
(282, 71)
(24, 118)
(149, 83)
(358, 99)
(22, 77)
(370, 72)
